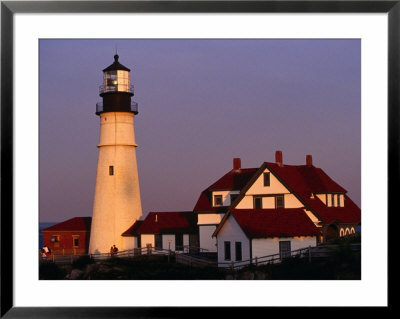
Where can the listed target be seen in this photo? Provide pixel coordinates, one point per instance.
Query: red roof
(301, 180)
(132, 231)
(233, 180)
(73, 224)
(304, 180)
(168, 223)
(283, 222)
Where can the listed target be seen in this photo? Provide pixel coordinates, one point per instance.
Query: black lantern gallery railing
(133, 108)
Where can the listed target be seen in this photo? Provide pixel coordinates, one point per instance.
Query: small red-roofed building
(131, 236)
(70, 237)
(175, 231)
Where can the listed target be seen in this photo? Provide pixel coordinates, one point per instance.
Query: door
(284, 249)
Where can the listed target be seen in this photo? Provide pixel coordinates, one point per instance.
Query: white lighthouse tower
(117, 202)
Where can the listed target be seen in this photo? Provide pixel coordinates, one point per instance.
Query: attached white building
(246, 234)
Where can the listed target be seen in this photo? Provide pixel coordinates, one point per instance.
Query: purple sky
(201, 103)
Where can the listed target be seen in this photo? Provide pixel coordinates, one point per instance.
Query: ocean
(42, 226)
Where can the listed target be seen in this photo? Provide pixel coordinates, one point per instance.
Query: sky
(201, 104)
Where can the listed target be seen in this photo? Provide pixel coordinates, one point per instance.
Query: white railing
(269, 259)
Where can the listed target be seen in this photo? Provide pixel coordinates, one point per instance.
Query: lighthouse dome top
(116, 65)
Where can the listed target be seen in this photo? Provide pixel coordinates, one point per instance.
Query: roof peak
(116, 65)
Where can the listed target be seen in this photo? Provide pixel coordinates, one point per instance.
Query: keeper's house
(70, 237)
(272, 198)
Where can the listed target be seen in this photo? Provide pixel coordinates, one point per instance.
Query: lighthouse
(117, 202)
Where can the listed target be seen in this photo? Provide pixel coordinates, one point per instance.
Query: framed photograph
(217, 74)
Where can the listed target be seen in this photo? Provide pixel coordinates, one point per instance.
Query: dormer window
(217, 200)
(334, 200)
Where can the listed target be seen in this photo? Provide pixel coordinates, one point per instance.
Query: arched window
(352, 231)
(347, 232)
(341, 232)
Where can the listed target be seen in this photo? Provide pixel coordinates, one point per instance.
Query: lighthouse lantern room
(117, 201)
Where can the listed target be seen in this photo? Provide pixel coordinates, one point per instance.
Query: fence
(129, 253)
(270, 259)
(186, 256)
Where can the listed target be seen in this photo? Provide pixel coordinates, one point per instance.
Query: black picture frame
(9, 8)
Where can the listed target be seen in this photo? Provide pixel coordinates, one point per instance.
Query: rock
(118, 269)
(259, 275)
(90, 269)
(76, 274)
(104, 268)
(247, 275)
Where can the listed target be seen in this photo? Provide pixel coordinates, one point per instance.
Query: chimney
(278, 158)
(237, 164)
(309, 160)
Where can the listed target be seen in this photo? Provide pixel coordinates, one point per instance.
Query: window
(75, 241)
(257, 202)
(158, 241)
(328, 203)
(55, 239)
(338, 200)
(227, 250)
(279, 202)
(284, 249)
(233, 197)
(217, 200)
(238, 250)
(111, 170)
(333, 200)
(178, 241)
(266, 179)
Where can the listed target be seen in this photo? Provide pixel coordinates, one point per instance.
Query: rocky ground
(343, 264)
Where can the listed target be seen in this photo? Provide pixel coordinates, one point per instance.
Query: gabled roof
(265, 223)
(132, 231)
(168, 223)
(303, 180)
(350, 213)
(300, 180)
(73, 224)
(235, 179)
